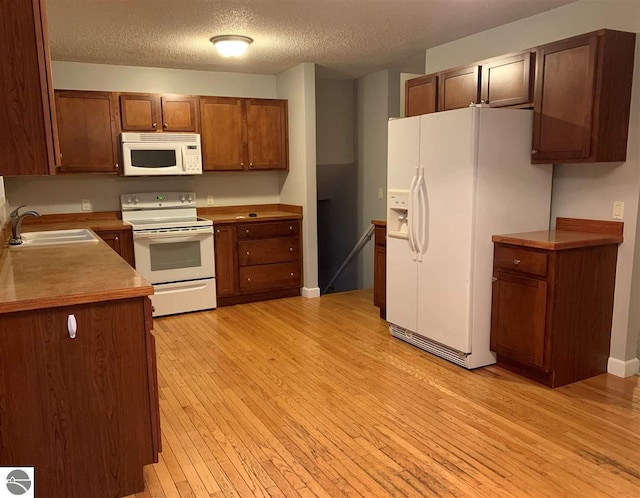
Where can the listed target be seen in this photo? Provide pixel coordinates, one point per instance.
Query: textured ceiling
(345, 38)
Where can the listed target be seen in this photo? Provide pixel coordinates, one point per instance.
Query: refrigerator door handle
(424, 215)
(411, 214)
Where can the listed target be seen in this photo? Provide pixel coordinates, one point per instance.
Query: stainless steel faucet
(16, 221)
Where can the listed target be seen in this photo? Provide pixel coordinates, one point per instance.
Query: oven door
(174, 256)
(146, 159)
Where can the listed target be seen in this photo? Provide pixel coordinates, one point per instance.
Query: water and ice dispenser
(398, 213)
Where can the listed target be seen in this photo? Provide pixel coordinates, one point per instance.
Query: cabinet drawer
(520, 259)
(269, 229)
(259, 252)
(270, 277)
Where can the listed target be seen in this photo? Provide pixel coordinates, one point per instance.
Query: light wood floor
(313, 397)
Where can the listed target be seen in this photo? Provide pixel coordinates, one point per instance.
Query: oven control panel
(157, 200)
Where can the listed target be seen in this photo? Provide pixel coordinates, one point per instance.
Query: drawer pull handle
(291, 249)
(247, 253)
(246, 231)
(248, 279)
(290, 227)
(72, 326)
(292, 274)
(516, 262)
(494, 279)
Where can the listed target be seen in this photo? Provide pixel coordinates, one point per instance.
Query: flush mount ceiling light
(231, 45)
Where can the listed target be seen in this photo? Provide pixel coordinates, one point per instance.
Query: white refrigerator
(454, 179)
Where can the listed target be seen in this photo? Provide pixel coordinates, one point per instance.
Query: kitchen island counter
(52, 276)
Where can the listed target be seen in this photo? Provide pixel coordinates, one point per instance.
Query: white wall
(580, 190)
(298, 186)
(378, 99)
(109, 78)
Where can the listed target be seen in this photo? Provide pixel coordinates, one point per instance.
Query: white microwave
(153, 154)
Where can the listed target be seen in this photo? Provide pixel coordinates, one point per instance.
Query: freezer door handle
(411, 214)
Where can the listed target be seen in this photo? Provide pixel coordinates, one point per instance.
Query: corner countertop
(556, 240)
(240, 214)
(44, 277)
(379, 223)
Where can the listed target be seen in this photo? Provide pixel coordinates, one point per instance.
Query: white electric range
(173, 250)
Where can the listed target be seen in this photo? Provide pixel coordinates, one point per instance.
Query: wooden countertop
(379, 223)
(556, 240)
(240, 214)
(107, 220)
(44, 277)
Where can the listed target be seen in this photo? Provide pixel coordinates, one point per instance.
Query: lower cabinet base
(259, 296)
(547, 378)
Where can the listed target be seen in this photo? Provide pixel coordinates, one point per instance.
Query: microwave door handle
(184, 158)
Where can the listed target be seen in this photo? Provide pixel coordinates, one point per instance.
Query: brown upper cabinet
(152, 112)
(459, 87)
(508, 80)
(28, 141)
(88, 131)
(421, 95)
(583, 97)
(244, 134)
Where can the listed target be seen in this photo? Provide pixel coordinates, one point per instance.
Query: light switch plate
(86, 204)
(380, 193)
(618, 210)
(209, 200)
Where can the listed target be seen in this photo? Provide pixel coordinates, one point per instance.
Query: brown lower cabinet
(380, 268)
(121, 241)
(257, 260)
(83, 410)
(552, 310)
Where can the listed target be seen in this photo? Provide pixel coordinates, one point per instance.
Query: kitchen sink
(57, 237)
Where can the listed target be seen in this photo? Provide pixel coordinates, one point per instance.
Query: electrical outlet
(380, 193)
(86, 204)
(209, 200)
(618, 210)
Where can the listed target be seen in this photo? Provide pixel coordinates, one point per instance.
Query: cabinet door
(518, 318)
(564, 99)
(179, 113)
(267, 134)
(508, 81)
(27, 115)
(226, 260)
(73, 407)
(421, 95)
(140, 111)
(88, 131)
(121, 241)
(222, 132)
(459, 88)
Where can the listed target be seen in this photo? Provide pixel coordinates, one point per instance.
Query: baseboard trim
(310, 292)
(621, 368)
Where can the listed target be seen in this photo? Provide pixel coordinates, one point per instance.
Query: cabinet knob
(290, 227)
(218, 230)
(248, 279)
(241, 164)
(246, 231)
(292, 274)
(494, 279)
(534, 151)
(117, 238)
(72, 326)
(516, 262)
(165, 125)
(115, 166)
(154, 125)
(247, 253)
(291, 249)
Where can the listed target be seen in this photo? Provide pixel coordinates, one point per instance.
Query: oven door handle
(174, 237)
